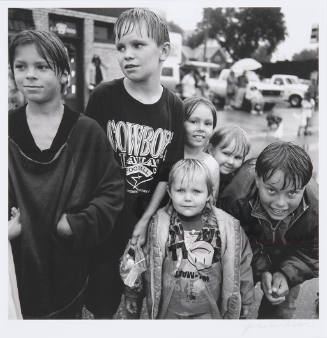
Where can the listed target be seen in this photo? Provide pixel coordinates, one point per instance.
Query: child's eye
(192, 121)
(180, 190)
(239, 158)
(120, 48)
(138, 45)
(19, 66)
(208, 123)
(196, 191)
(271, 191)
(292, 194)
(42, 67)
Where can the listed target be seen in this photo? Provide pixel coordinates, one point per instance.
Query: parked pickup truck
(291, 86)
(271, 93)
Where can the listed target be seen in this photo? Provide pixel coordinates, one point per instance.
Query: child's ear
(168, 191)
(64, 78)
(165, 50)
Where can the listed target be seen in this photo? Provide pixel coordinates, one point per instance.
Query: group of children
(77, 193)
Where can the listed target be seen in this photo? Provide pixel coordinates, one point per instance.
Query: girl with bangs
(200, 120)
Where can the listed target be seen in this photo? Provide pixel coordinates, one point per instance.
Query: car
(271, 94)
(170, 75)
(292, 87)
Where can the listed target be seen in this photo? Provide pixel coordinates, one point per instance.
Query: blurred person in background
(188, 84)
(94, 74)
(231, 89)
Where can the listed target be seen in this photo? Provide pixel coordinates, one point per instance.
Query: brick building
(84, 31)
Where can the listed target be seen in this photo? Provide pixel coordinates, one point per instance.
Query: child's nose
(188, 196)
(281, 201)
(30, 72)
(128, 53)
(201, 126)
(230, 159)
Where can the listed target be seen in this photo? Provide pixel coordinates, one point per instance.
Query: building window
(103, 32)
(20, 19)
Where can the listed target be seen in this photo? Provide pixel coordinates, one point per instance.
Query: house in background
(212, 53)
(84, 31)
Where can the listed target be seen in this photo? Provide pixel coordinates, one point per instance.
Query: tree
(173, 27)
(241, 31)
(306, 54)
(261, 54)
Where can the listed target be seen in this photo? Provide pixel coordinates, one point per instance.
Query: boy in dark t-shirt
(144, 124)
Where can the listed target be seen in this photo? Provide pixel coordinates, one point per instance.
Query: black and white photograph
(164, 163)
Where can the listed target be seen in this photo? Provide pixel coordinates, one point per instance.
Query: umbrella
(245, 64)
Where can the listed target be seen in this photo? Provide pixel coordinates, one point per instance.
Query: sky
(299, 17)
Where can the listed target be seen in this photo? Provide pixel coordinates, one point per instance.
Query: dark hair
(223, 137)
(48, 45)
(287, 157)
(191, 103)
(156, 26)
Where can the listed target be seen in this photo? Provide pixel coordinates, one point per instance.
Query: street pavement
(256, 127)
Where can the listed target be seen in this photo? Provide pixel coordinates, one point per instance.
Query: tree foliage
(306, 54)
(173, 27)
(241, 31)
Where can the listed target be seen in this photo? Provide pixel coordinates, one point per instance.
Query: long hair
(191, 103)
(48, 45)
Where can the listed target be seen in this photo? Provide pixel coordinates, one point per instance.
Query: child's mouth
(130, 66)
(278, 212)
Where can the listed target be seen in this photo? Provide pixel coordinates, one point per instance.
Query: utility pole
(206, 27)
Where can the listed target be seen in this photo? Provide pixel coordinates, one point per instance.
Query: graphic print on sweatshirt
(141, 151)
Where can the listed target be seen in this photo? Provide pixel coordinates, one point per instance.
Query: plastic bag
(132, 265)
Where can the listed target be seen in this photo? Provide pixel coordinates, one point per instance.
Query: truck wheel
(295, 100)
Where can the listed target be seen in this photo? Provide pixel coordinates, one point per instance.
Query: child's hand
(279, 285)
(14, 225)
(131, 305)
(266, 285)
(139, 233)
(63, 227)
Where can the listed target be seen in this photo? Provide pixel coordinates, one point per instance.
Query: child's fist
(63, 227)
(14, 225)
(279, 285)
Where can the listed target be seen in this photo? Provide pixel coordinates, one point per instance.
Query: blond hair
(190, 168)
(223, 137)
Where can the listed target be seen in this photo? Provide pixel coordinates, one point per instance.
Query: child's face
(189, 196)
(33, 77)
(139, 56)
(278, 202)
(199, 127)
(227, 158)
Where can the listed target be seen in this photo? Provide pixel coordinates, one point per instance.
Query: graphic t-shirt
(147, 140)
(191, 285)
